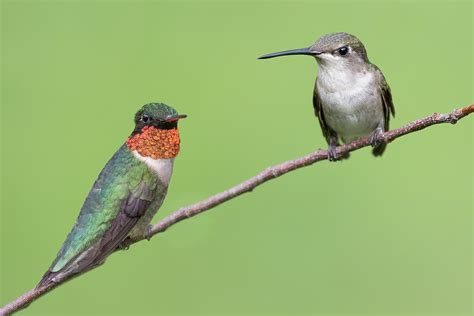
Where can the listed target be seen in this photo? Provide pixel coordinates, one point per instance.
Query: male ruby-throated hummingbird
(351, 97)
(127, 194)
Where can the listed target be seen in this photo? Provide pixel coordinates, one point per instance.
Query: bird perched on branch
(127, 194)
(351, 96)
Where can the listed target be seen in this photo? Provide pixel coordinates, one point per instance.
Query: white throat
(163, 168)
(340, 77)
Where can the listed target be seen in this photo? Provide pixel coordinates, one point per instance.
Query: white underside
(162, 167)
(351, 101)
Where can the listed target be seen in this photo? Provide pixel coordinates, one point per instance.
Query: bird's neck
(155, 143)
(336, 77)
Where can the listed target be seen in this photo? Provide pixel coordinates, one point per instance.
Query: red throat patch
(155, 143)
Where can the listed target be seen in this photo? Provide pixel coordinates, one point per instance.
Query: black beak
(175, 118)
(299, 51)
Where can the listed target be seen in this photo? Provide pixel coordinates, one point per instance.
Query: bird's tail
(379, 149)
(73, 269)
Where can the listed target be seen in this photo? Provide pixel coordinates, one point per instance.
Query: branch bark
(276, 171)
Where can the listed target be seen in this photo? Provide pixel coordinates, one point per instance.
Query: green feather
(120, 176)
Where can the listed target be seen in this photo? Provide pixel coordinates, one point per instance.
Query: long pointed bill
(299, 51)
(176, 118)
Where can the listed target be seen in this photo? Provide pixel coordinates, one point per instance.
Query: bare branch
(248, 185)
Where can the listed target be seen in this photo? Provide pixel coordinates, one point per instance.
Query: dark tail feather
(379, 149)
(48, 277)
(66, 274)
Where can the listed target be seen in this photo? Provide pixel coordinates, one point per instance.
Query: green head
(158, 115)
(339, 48)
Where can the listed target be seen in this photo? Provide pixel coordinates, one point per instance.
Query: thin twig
(248, 185)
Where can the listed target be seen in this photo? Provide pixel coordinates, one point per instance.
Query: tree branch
(248, 185)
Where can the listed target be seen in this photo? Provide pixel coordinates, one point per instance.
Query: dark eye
(343, 50)
(145, 118)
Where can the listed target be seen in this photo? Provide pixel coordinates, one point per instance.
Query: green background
(390, 236)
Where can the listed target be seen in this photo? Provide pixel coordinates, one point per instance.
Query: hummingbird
(351, 97)
(126, 195)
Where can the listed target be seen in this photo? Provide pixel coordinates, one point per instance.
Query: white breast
(351, 102)
(162, 167)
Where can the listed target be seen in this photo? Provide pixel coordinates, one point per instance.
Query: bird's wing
(318, 111)
(121, 195)
(386, 95)
(132, 208)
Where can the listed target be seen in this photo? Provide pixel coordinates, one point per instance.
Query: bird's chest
(351, 103)
(162, 168)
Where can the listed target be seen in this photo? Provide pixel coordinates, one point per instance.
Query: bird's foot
(334, 156)
(125, 244)
(149, 232)
(377, 139)
(332, 153)
(378, 142)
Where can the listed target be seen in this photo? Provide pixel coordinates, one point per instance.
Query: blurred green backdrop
(367, 236)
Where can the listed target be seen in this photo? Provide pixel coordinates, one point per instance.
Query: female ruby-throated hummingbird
(351, 97)
(127, 194)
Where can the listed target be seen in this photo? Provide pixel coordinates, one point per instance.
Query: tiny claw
(149, 232)
(332, 153)
(377, 139)
(124, 245)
